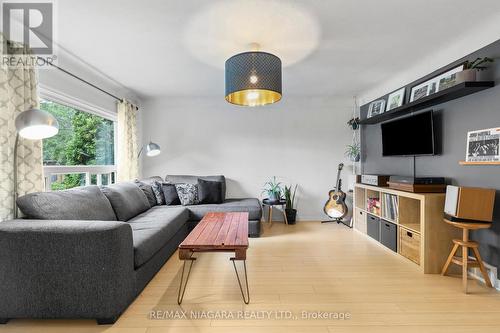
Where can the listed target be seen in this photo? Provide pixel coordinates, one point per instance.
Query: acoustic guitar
(335, 207)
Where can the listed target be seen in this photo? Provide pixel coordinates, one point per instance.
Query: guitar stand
(338, 222)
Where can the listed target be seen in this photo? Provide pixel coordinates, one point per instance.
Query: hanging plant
(353, 123)
(353, 152)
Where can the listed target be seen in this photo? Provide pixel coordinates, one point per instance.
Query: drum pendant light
(253, 78)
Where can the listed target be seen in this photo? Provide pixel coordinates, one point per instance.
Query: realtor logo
(29, 24)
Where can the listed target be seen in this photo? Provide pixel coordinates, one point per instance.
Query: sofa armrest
(65, 269)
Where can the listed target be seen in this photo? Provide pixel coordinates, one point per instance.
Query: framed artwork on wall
(437, 83)
(449, 79)
(483, 145)
(396, 99)
(376, 108)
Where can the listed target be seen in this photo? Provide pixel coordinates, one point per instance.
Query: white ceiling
(153, 48)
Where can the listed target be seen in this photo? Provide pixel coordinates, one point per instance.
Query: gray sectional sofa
(88, 252)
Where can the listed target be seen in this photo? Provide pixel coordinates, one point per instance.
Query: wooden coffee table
(217, 232)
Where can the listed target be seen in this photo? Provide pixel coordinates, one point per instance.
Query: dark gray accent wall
(453, 120)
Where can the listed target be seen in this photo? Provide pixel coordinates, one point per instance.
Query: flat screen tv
(409, 136)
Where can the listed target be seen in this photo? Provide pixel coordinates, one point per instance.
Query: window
(83, 151)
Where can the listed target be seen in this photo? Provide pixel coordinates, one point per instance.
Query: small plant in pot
(273, 190)
(290, 211)
(353, 123)
(471, 68)
(353, 152)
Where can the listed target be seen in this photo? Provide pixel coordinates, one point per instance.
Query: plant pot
(291, 215)
(467, 75)
(274, 197)
(355, 158)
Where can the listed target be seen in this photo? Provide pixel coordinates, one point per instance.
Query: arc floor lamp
(33, 124)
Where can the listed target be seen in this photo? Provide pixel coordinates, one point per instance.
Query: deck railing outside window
(86, 175)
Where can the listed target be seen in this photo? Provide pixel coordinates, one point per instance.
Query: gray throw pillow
(209, 192)
(170, 194)
(158, 191)
(188, 194)
(148, 191)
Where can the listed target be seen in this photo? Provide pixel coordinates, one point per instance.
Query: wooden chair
(467, 244)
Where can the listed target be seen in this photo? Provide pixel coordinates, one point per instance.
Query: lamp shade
(152, 149)
(35, 124)
(253, 79)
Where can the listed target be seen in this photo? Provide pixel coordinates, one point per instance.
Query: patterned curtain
(127, 150)
(18, 92)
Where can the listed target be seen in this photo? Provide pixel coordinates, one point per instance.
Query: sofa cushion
(127, 200)
(177, 179)
(250, 205)
(148, 191)
(153, 229)
(158, 192)
(170, 194)
(188, 194)
(79, 203)
(209, 192)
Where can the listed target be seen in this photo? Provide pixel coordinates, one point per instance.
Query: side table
(271, 204)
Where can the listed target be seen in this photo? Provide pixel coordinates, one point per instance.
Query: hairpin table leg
(246, 298)
(182, 290)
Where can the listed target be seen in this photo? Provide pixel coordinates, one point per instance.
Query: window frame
(52, 95)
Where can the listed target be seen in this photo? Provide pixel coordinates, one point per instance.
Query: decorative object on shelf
(336, 207)
(376, 108)
(471, 68)
(353, 123)
(290, 211)
(353, 152)
(152, 149)
(396, 99)
(438, 83)
(32, 124)
(253, 78)
(273, 189)
(483, 145)
(449, 79)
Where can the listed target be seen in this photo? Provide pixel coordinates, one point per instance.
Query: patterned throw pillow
(158, 191)
(188, 194)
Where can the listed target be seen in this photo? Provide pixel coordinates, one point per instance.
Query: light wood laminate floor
(304, 267)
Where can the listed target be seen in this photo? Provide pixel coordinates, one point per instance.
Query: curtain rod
(83, 80)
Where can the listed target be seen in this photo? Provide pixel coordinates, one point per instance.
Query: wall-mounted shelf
(478, 163)
(457, 91)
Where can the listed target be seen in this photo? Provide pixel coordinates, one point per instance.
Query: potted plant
(290, 211)
(273, 190)
(353, 123)
(471, 68)
(353, 152)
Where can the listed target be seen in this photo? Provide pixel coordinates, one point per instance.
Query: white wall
(300, 140)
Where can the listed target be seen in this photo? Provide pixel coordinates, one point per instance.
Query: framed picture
(449, 78)
(483, 145)
(438, 83)
(376, 108)
(395, 99)
(423, 90)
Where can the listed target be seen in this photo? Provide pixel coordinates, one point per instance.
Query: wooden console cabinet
(417, 218)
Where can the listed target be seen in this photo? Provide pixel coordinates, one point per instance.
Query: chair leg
(448, 261)
(465, 258)
(481, 267)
